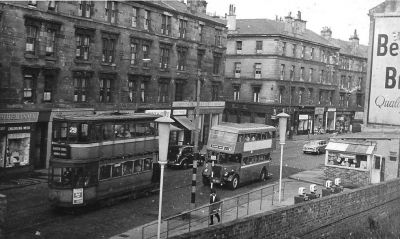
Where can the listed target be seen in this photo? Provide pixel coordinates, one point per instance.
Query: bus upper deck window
(240, 138)
(108, 131)
(264, 135)
(84, 133)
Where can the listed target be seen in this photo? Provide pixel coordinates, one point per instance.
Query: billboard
(384, 100)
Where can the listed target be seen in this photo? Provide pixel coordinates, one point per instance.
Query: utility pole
(196, 144)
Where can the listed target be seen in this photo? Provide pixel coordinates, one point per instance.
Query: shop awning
(185, 122)
(350, 148)
(174, 128)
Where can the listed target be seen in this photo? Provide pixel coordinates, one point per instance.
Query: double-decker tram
(242, 153)
(102, 156)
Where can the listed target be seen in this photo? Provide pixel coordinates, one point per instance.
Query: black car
(182, 156)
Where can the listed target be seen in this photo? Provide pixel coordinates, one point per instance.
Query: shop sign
(319, 110)
(359, 115)
(77, 196)
(159, 112)
(384, 100)
(331, 109)
(22, 117)
(19, 128)
(179, 112)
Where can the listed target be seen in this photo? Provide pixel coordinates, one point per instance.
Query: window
(301, 92)
(320, 97)
(134, 52)
(239, 47)
(311, 95)
(111, 11)
(165, 24)
(200, 56)
(322, 56)
(81, 80)
(134, 17)
(359, 100)
(218, 37)
(256, 94)
(331, 98)
(349, 82)
(237, 69)
(215, 91)
(257, 72)
(303, 51)
(32, 3)
(358, 84)
(321, 75)
(52, 5)
(294, 49)
(292, 95)
(132, 88)
(50, 41)
(292, 73)
(146, 53)
(302, 73)
(105, 90)
(109, 44)
(201, 33)
(31, 39)
(217, 62)
(85, 8)
(147, 20)
(283, 48)
(341, 100)
(29, 87)
(164, 56)
(310, 77)
(236, 92)
(280, 97)
(143, 89)
(342, 81)
(179, 89)
(312, 54)
(82, 47)
(48, 88)
(182, 28)
(282, 74)
(181, 58)
(163, 95)
(259, 46)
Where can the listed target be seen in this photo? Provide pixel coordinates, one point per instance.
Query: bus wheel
(263, 175)
(185, 164)
(206, 181)
(234, 183)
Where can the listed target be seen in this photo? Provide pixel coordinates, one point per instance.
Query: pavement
(23, 180)
(290, 187)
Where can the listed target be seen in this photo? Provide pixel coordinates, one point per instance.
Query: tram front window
(73, 177)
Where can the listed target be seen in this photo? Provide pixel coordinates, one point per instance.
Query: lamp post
(283, 117)
(163, 142)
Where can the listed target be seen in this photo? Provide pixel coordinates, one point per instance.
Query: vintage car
(315, 146)
(182, 156)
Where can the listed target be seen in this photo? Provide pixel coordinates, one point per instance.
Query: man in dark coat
(215, 206)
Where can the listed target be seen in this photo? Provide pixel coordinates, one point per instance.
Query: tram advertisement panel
(77, 196)
(384, 100)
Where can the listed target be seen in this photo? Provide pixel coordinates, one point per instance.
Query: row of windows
(139, 18)
(125, 168)
(255, 136)
(105, 131)
(138, 88)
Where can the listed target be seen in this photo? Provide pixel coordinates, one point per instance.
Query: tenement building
(82, 57)
(280, 65)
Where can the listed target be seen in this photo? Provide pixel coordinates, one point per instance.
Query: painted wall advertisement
(384, 101)
(77, 196)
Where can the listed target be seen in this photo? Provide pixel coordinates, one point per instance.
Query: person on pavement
(215, 206)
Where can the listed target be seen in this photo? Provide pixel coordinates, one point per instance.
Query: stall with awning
(352, 148)
(185, 122)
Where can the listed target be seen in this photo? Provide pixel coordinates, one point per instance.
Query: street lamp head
(163, 137)
(282, 126)
(146, 60)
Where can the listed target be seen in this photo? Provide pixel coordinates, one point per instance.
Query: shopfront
(330, 120)
(319, 120)
(17, 130)
(305, 120)
(343, 121)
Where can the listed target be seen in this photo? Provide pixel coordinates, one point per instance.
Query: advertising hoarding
(384, 100)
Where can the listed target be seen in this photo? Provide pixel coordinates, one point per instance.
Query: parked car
(182, 156)
(315, 146)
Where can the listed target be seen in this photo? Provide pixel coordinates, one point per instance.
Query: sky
(342, 16)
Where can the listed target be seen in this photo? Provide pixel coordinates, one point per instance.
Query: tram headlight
(206, 170)
(226, 174)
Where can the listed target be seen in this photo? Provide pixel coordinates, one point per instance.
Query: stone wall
(348, 176)
(3, 211)
(328, 217)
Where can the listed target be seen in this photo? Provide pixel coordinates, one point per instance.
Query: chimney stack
(231, 18)
(326, 33)
(299, 24)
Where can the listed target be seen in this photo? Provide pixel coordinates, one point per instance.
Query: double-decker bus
(102, 157)
(242, 153)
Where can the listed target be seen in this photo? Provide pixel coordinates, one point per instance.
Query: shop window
(17, 151)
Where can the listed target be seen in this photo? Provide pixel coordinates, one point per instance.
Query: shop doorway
(378, 169)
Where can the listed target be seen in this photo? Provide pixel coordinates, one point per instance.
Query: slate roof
(181, 7)
(273, 27)
(346, 47)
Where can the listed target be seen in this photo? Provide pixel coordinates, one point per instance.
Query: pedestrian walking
(215, 206)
